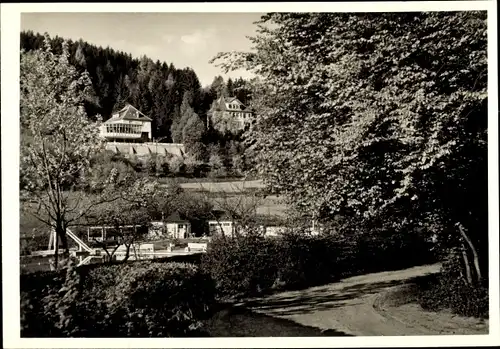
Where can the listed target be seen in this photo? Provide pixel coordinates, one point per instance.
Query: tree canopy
(57, 137)
(370, 114)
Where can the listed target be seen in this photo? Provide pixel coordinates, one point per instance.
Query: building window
(123, 128)
(226, 224)
(181, 226)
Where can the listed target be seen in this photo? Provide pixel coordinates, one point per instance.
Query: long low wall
(144, 149)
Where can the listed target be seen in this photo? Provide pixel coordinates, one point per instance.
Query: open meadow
(235, 186)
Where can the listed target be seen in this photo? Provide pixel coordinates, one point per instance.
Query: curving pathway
(357, 306)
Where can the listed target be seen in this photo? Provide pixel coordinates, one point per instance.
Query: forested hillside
(156, 88)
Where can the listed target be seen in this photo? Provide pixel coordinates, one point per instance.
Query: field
(236, 186)
(245, 193)
(270, 205)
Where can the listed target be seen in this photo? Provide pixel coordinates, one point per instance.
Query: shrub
(248, 265)
(36, 288)
(176, 165)
(217, 168)
(192, 166)
(241, 267)
(449, 290)
(146, 299)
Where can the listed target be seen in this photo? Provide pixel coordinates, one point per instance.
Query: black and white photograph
(215, 173)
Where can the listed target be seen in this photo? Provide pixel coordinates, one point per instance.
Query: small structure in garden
(177, 226)
(83, 252)
(222, 224)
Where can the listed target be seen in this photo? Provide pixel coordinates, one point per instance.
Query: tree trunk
(113, 252)
(467, 265)
(105, 248)
(127, 253)
(61, 233)
(473, 249)
(56, 251)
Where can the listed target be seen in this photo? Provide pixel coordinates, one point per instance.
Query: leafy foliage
(448, 290)
(141, 299)
(57, 137)
(249, 265)
(135, 203)
(380, 118)
(108, 168)
(362, 90)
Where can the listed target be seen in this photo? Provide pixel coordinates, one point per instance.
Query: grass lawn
(30, 225)
(167, 180)
(235, 186)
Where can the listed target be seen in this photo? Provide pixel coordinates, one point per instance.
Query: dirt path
(355, 306)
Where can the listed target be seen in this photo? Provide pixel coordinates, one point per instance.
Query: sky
(184, 39)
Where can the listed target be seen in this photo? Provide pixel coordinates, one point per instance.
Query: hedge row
(146, 299)
(248, 266)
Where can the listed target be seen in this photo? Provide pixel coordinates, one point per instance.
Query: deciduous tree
(57, 138)
(381, 117)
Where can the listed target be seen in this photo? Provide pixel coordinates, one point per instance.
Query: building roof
(231, 99)
(176, 218)
(222, 216)
(220, 104)
(129, 112)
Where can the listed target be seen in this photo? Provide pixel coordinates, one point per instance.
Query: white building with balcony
(127, 125)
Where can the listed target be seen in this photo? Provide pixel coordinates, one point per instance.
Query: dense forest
(158, 89)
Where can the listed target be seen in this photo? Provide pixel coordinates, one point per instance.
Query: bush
(217, 168)
(249, 265)
(449, 290)
(242, 267)
(176, 165)
(35, 288)
(143, 299)
(312, 260)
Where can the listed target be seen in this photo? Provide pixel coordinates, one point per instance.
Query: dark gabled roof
(129, 112)
(176, 217)
(218, 215)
